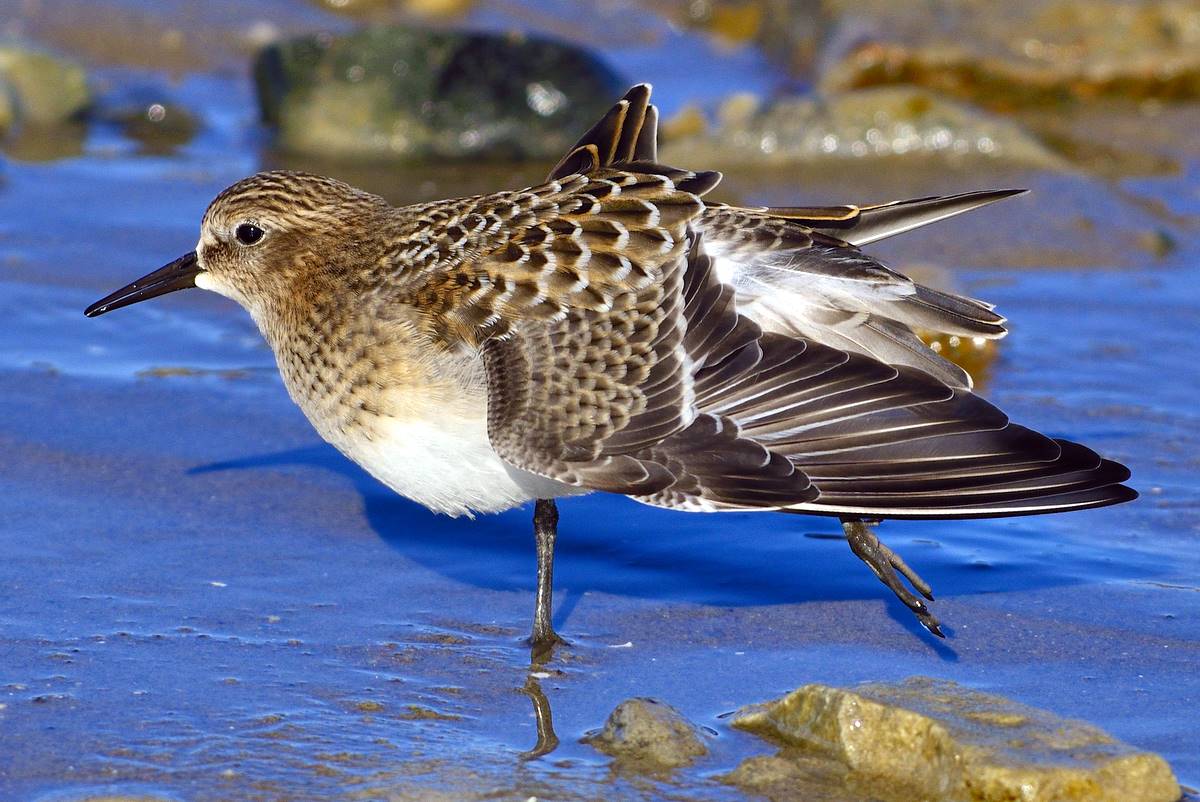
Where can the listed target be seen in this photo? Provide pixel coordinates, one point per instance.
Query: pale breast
(414, 419)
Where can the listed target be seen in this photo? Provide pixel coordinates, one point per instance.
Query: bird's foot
(542, 644)
(885, 563)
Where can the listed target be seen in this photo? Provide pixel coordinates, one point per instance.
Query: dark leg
(545, 530)
(885, 562)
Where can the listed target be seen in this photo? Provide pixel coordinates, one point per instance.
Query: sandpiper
(614, 330)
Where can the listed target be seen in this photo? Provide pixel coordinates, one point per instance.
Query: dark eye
(248, 233)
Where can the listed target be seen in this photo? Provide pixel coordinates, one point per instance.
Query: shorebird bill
(178, 275)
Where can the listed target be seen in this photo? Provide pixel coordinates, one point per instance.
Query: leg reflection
(547, 740)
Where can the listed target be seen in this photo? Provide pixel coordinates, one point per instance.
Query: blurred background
(200, 600)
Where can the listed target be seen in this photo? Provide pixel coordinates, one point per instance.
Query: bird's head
(264, 238)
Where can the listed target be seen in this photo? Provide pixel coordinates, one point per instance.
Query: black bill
(178, 275)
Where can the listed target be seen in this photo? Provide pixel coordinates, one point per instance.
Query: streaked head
(261, 237)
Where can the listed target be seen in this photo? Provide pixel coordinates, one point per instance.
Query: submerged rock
(884, 122)
(413, 94)
(648, 734)
(934, 740)
(39, 89)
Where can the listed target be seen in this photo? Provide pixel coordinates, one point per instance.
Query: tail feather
(873, 223)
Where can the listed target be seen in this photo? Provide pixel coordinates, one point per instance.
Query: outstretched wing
(622, 356)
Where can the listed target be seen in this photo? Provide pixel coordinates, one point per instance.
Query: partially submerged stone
(926, 739)
(878, 123)
(411, 94)
(648, 734)
(795, 778)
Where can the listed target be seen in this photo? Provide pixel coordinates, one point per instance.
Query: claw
(884, 563)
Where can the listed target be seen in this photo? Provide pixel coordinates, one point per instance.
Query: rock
(935, 740)
(648, 734)
(413, 94)
(884, 122)
(148, 115)
(41, 89)
(685, 123)
(1021, 53)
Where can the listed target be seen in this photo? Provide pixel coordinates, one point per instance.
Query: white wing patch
(837, 297)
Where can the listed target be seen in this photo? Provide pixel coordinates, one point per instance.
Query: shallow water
(203, 601)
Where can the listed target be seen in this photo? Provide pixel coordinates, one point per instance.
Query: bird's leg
(545, 530)
(885, 562)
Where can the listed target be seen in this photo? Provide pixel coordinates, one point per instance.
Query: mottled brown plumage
(613, 329)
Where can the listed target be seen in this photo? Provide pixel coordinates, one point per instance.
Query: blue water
(203, 601)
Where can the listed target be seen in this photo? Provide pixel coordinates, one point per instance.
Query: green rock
(411, 94)
(934, 740)
(42, 89)
(649, 735)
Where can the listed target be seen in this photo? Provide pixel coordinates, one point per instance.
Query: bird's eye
(248, 233)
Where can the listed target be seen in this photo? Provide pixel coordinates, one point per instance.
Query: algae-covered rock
(413, 94)
(934, 740)
(42, 89)
(646, 733)
(884, 122)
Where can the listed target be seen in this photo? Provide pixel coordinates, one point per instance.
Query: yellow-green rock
(933, 740)
(43, 89)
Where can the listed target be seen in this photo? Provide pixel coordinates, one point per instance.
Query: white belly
(446, 464)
